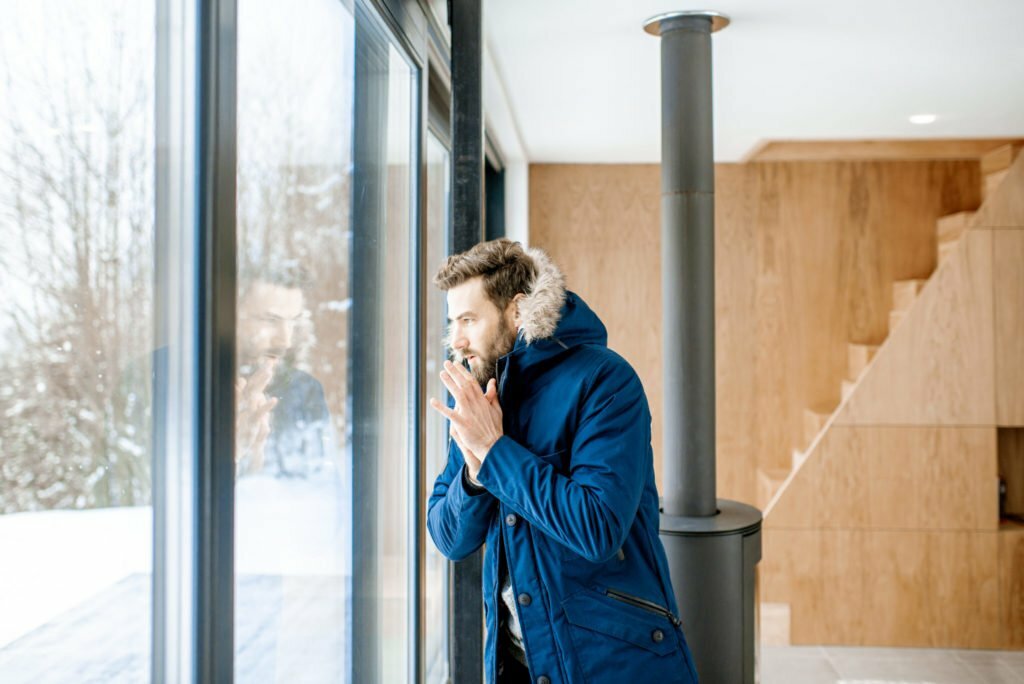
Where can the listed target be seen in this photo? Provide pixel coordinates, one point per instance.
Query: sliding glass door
(327, 187)
(209, 360)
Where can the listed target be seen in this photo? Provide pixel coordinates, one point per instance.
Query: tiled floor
(287, 629)
(848, 665)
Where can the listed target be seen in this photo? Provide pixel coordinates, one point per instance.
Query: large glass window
(105, 159)
(77, 160)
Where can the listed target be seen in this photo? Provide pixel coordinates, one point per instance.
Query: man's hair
(504, 265)
(286, 273)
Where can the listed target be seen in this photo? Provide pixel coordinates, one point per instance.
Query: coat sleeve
(591, 508)
(457, 519)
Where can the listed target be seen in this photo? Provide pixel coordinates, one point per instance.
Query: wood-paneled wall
(805, 255)
(1003, 215)
(895, 477)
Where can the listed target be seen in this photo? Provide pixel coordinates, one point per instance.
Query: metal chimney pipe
(712, 545)
(688, 259)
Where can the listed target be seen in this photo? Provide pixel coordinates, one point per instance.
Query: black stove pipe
(688, 264)
(713, 545)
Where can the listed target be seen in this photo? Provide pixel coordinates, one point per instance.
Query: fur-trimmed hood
(550, 312)
(541, 309)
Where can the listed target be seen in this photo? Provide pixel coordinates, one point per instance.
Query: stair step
(798, 458)
(895, 318)
(775, 624)
(847, 390)
(768, 482)
(858, 356)
(991, 182)
(904, 292)
(1000, 158)
(952, 226)
(814, 421)
(946, 248)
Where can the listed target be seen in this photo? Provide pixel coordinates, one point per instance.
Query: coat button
(525, 600)
(543, 680)
(657, 636)
(511, 519)
(621, 555)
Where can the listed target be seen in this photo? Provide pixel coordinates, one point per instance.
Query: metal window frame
(363, 332)
(215, 345)
(408, 24)
(467, 138)
(400, 23)
(174, 368)
(437, 125)
(494, 200)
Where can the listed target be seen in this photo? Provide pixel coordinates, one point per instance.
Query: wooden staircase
(950, 240)
(995, 166)
(948, 232)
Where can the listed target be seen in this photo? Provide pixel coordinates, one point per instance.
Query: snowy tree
(77, 229)
(76, 253)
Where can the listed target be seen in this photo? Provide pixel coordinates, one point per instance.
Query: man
(282, 420)
(551, 465)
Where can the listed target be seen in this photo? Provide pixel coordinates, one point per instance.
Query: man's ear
(517, 319)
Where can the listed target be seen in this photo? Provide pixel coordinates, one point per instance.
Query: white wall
(503, 129)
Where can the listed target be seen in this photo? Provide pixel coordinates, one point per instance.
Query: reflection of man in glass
(281, 414)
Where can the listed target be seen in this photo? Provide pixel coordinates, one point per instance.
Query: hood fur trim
(540, 310)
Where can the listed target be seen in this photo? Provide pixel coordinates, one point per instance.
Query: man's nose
(281, 334)
(460, 341)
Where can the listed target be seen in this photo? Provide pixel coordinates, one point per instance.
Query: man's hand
(472, 462)
(476, 418)
(252, 416)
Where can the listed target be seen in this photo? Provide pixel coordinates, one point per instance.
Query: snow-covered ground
(52, 561)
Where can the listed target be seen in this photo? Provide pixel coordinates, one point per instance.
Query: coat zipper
(501, 376)
(649, 606)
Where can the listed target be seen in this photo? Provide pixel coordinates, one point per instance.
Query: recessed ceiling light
(922, 119)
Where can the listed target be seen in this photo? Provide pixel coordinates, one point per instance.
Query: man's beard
(250, 359)
(483, 369)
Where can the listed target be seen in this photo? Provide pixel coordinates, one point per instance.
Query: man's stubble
(504, 341)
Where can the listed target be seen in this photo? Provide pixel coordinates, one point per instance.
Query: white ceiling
(581, 77)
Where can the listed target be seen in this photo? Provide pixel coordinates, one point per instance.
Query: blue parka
(570, 499)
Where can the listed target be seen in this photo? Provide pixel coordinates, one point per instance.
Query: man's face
(478, 331)
(267, 317)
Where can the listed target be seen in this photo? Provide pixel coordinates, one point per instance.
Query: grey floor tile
(837, 653)
(793, 651)
(1014, 659)
(928, 670)
(997, 673)
(781, 668)
(977, 655)
(868, 665)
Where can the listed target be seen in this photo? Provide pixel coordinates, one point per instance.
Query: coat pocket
(612, 639)
(559, 459)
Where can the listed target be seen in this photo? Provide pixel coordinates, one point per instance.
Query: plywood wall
(805, 256)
